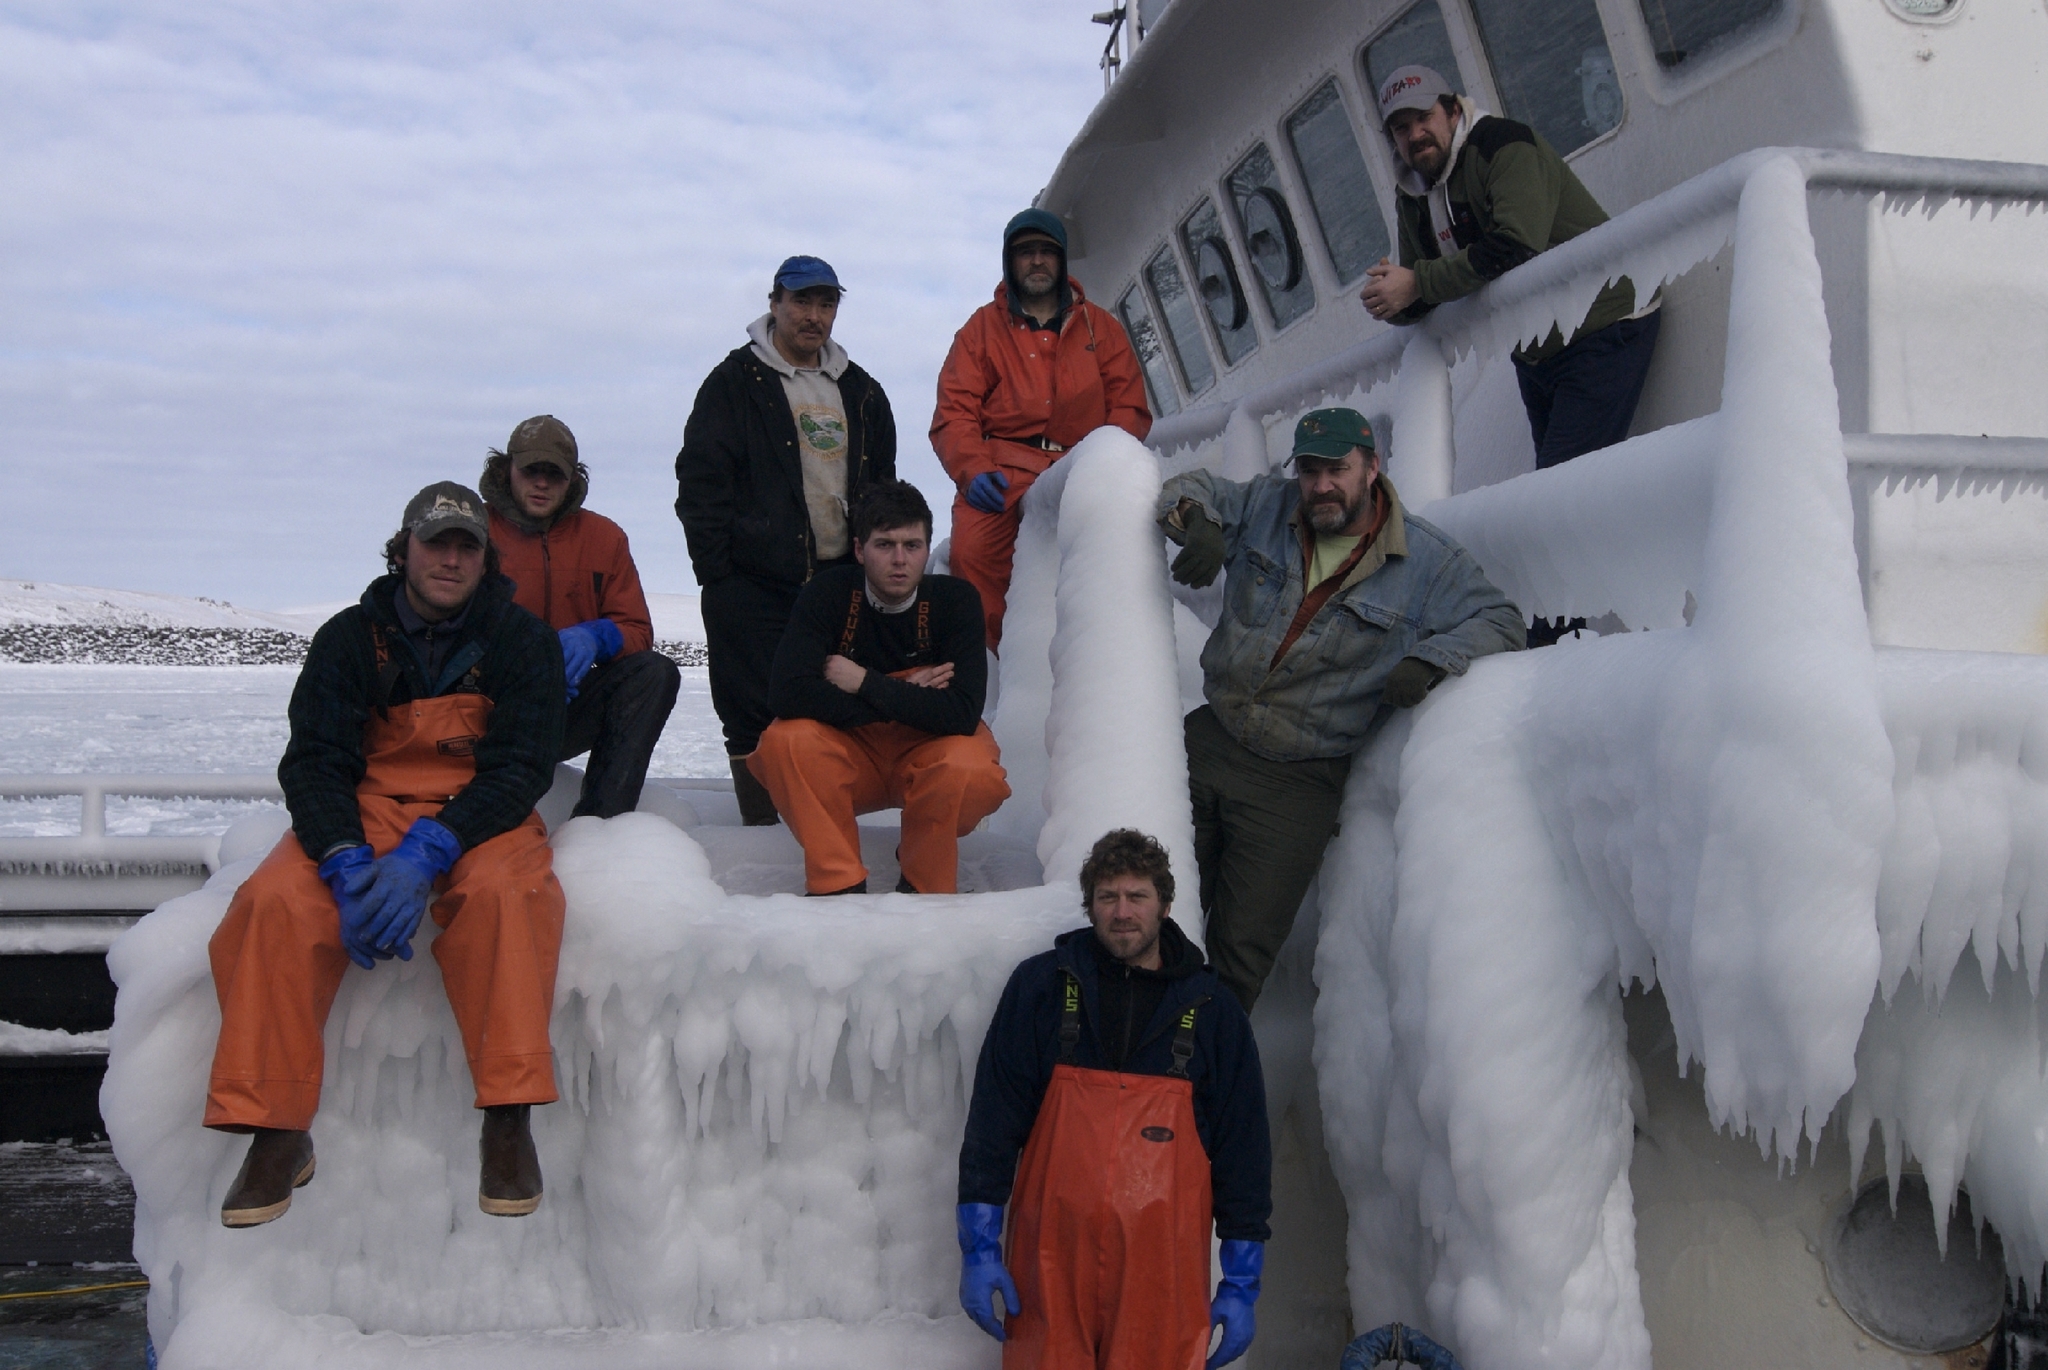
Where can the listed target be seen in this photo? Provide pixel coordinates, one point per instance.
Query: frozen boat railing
(1652, 243)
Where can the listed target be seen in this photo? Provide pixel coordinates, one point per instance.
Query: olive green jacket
(1510, 197)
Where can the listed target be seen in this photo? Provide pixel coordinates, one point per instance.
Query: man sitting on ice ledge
(424, 728)
(1340, 608)
(878, 687)
(1130, 1083)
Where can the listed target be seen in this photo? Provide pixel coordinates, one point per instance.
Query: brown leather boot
(278, 1162)
(510, 1183)
(757, 806)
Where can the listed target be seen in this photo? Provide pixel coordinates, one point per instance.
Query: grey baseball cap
(1415, 88)
(445, 505)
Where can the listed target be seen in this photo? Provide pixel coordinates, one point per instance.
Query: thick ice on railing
(754, 1158)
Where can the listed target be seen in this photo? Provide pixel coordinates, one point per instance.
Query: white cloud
(267, 268)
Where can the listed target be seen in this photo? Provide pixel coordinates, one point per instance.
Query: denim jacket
(1415, 593)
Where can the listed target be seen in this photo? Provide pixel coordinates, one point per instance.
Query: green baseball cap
(1331, 434)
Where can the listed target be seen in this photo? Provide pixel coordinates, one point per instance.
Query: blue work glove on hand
(405, 886)
(1236, 1292)
(981, 1266)
(985, 491)
(586, 644)
(349, 873)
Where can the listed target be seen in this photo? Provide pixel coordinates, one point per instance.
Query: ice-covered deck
(1798, 838)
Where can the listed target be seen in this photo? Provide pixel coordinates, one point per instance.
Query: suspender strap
(389, 668)
(924, 629)
(1070, 1016)
(1184, 1040)
(846, 634)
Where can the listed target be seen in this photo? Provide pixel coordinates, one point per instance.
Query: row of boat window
(1552, 69)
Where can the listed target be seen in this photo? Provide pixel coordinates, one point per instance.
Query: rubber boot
(509, 1186)
(278, 1162)
(757, 808)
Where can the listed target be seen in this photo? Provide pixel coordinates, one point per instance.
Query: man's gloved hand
(981, 1266)
(1411, 679)
(985, 492)
(586, 644)
(1201, 552)
(1236, 1292)
(349, 873)
(404, 886)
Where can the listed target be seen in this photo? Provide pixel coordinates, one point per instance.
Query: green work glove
(1409, 681)
(1201, 552)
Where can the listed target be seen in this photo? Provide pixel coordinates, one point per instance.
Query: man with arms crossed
(573, 569)
(878, 689)
(1129, 1083)
(424, 728)
(785, 434)
(1340, 608)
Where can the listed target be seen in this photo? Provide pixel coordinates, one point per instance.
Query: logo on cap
(447, 507)
(1397, 85)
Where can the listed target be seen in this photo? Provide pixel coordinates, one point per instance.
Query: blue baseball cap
(801, 273)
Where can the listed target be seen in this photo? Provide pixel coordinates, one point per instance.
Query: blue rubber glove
(404, 887)
(349, 873)
(981, 1266)
(1236, 1292)
(586, 644)
(985, 491)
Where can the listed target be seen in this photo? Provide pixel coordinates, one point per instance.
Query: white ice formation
(1832, 859)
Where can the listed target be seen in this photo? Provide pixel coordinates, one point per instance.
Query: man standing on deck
(1130, 1085)
(1478, 195)
(424, 728)
(1031, 373)
(785, 434)
(573, 570)
(878, 689)
(1340, 607)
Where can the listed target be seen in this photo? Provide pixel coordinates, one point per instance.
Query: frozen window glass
(1183, 329)
(1552, 67)
(1338, 189)
(1267, 226)
(1682, 31)
(1417, 39)
(1217, 282)
(1151, 352)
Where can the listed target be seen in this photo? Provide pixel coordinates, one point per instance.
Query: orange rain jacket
(578, 569)
(998, 382)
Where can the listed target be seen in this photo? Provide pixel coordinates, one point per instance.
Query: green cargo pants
(1260, 830)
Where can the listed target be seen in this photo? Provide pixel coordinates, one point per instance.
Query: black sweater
(797, 687)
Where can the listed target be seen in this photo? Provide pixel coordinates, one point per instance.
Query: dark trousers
(1260, 830)
(617, 716)
(743, 623)
(1584, 398)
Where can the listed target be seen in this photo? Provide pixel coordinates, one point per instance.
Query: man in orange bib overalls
(877, 687)
(1129, 1081)
(424, 728)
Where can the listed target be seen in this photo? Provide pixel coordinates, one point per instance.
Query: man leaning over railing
(1340, 608)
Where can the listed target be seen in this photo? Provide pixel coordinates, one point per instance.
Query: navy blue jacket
(1022, 1046)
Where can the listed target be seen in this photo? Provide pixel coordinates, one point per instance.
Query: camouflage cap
(543, 438)
(1331, 434)
(445, 505)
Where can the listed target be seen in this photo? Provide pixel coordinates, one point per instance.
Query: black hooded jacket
(1127, 1019)
(739, 476)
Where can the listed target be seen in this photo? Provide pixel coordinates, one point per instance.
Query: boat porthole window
(1417, 39)
(1347, 211)
(1683, 32)
(1552, 67)
(1892, 1278)
(1137, 321)
(1216, 279)
(1183, 329)
(1924, 11)
(1266, 227)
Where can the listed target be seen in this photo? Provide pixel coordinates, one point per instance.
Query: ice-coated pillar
(1423, 456)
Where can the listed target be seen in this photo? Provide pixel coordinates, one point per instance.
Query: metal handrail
(94, 789)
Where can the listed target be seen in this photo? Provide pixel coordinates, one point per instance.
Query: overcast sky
(266, 268)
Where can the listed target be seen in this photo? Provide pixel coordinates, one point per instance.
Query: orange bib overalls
(1110, 1218)
(277, 956)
